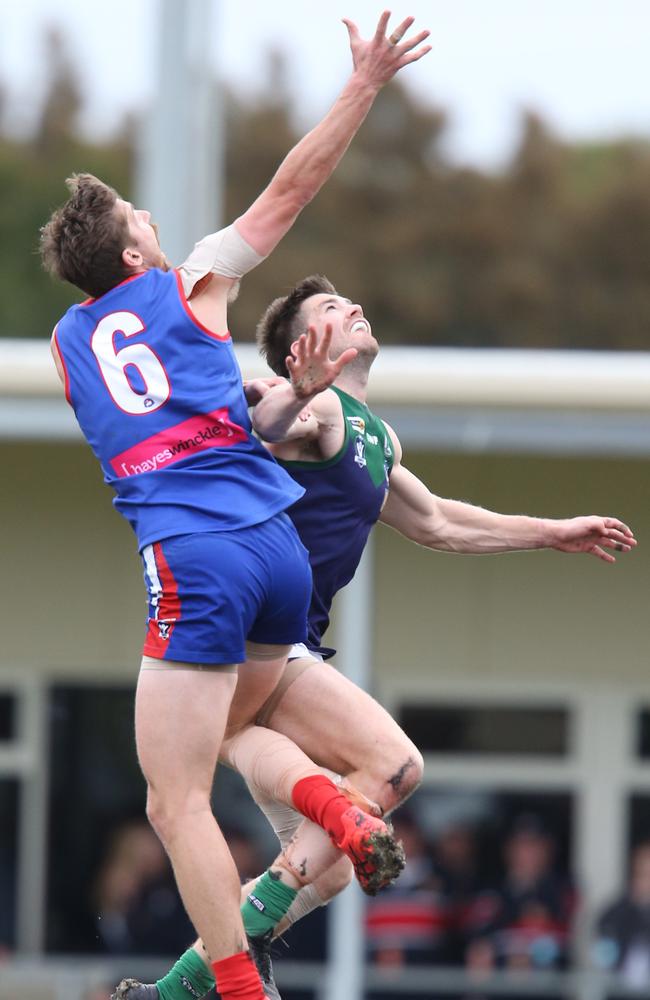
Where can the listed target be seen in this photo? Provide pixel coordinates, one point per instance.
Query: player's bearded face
(163, 263)
(144, 236)
(350, 328)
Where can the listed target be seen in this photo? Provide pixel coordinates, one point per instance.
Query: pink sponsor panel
(206, 430)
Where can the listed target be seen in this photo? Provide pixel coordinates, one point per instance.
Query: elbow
(266, 432)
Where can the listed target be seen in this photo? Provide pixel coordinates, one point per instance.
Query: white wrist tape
(225, 252)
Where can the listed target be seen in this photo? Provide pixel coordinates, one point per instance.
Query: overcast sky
(582, 63)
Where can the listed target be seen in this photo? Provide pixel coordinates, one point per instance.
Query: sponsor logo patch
(358, 423)
(206, 430)
(257, 903)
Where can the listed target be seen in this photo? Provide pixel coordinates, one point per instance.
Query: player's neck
(354, 379)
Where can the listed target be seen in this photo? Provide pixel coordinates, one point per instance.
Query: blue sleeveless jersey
(160, 400)
(342, 501)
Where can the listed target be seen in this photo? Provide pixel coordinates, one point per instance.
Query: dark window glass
(110, 885)
(643, 734)
(638, 819)
(7, 716)
(8, 857)
(95, 788)
(487, 729)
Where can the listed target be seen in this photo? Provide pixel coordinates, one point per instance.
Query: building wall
(73, 599)
(523, 616)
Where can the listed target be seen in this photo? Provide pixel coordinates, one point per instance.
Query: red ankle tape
(320, 800)
(237, 978)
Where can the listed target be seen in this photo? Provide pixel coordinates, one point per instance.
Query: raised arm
(454, 526)
(310, 163)
(220, 260)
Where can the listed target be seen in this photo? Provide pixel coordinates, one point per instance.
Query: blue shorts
(211, 591)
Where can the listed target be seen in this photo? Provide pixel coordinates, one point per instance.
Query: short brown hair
(280, 326)
(83, 241)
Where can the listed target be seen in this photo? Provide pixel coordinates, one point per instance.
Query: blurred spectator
(246, 855)
(623, 929)
(529, 915)
(408, 923)
(469, 907)
(136, 905)
(137, 908)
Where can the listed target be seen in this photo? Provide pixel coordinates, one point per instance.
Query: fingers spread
(398, 33)
(410, 43)
(621, 536)
(414, 56)
(382, 24)
(353, 31)
(326, 340)
(345, 358)
(605, 556)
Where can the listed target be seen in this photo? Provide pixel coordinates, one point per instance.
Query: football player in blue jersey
(349, 463)
(148, 366)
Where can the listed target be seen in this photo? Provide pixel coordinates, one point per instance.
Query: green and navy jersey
(343, 499)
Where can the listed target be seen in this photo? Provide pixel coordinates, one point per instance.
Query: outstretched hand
(593, 535)
(380, 58)
(311, 369)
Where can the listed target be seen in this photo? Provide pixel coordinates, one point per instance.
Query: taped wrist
(225, 252)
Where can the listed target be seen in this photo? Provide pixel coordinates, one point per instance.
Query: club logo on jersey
(358, 424)
(360, 451)
(164, 630)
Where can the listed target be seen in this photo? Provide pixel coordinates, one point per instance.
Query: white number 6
(113, 365)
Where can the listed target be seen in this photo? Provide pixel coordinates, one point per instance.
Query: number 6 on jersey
(113, 365)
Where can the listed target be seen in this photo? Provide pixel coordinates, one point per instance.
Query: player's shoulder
(394, 440)
(326, 403)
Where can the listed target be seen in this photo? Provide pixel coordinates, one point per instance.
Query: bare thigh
(180, 719)
(255, 683)
(343, 728)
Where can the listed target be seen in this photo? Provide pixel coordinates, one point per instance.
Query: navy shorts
(211, 591)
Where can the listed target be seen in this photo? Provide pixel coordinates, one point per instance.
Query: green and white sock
(188, 979)
(266, 904)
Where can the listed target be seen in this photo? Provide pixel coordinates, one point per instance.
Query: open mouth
(359, 326)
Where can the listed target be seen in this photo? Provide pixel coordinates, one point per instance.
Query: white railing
(76, 978)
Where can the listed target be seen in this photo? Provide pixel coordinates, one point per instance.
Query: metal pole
(346, 962)
(33, 822)
(179, 163)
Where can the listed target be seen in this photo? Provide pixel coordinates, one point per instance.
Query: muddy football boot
(377, 858)
(131, 989)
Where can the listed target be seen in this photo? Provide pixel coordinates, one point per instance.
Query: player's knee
(168, 813)
(404, 776)
(161, 815)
